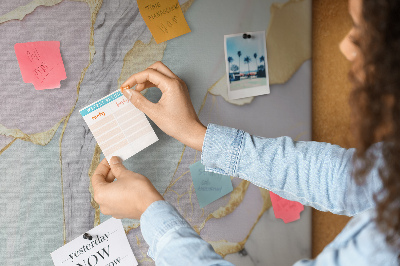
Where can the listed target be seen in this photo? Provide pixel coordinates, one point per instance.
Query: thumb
(117, 167)
(138, 100)
(100, 175)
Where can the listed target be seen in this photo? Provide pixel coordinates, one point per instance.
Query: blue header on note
(100, 103)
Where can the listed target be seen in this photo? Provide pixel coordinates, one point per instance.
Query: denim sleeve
(313, 173)
(360, 243)
(171, 239)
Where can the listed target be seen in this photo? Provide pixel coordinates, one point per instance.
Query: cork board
(331, 89)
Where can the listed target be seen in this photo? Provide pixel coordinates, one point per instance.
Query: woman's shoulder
(363, 239)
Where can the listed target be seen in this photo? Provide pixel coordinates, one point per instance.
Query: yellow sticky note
(164, 18)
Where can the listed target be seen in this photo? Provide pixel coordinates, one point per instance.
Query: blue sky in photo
(248, 47)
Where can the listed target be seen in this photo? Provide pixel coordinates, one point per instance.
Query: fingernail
(129, 92)
(125, 88)
(115, 160)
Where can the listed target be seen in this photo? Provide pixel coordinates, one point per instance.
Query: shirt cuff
(222, 148)
(157, 220)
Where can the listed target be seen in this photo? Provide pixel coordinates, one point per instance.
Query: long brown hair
(375, 102)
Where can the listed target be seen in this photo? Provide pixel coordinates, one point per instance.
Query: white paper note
(118, 126)
(108, 247)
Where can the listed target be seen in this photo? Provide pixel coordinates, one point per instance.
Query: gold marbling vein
(145, 258)
(7, 146)
(42, 138)
(285, 52)
(94, 6)
(191, 188)
(178, 202)
(224, 247)
(186, 5)
(133, 226)
(21, 11)
(195, 156)
(220, 88)
(95, 162)
(174, 181)
(236, 197)
(140, 57)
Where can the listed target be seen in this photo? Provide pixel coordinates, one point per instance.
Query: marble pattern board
(44, 190)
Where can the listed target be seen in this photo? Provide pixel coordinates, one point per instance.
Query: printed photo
(246, 64)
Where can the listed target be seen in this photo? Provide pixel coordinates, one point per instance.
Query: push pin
(243, 252)
(125, 88)
(87, 236)
(246, 36)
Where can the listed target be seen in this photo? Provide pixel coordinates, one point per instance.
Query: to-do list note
(118, 126)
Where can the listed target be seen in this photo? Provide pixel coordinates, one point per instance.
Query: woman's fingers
(146, 79)
(100, 175)
(142, 86)
(160, 67)
(174, 112)
(110, 177)
(141, 103)
(153, 76)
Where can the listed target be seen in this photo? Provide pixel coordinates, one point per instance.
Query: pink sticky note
(286, 210)
(41, 64)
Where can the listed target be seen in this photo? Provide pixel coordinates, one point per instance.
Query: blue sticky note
(209, 186)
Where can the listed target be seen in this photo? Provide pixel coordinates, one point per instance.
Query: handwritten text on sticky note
(284, 209)
(108, 246)
(164, 18)
(209, 186)
(41, 63)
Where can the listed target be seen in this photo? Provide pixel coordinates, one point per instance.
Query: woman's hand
(174, 112)
(127, 197)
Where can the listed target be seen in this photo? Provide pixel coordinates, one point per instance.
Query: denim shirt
(312, 173)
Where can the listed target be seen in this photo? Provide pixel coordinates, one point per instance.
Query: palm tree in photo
(262, 59)
(239, 54)
(255, 60)
(230, 60)
(247, 60)
(234, 68)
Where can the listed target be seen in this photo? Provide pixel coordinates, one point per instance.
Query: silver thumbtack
(87, 236)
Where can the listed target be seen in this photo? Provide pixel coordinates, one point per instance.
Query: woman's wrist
(200, 137)
(196, 136)
(149, 203)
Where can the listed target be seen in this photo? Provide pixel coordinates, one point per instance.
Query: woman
(316, 174)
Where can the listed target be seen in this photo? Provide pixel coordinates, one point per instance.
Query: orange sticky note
(164, 18)
(41, 64)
